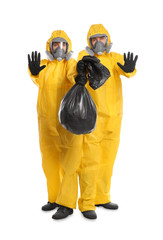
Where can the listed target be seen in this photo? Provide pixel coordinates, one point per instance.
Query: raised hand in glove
(34, 63)
(130, 63)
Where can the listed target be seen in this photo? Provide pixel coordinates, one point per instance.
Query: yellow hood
(61, 34)
(97, 29)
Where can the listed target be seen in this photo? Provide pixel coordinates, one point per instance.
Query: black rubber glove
(92, 59)
(82, 64)
(81, 67)
(81, 79)
(130, 63)
(34, 63)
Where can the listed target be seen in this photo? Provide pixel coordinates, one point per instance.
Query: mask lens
(59, 48)
(61, 45)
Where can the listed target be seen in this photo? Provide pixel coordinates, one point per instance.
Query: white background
(137, 180)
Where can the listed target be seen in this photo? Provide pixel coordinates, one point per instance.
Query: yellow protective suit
(76, 162)
(108, 100)
(53, 81)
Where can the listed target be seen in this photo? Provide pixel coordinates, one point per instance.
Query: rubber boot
(108, 205)
(49, 206)
(90, 214)
(62, 212)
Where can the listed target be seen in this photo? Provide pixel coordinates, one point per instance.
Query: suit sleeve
(71, 70)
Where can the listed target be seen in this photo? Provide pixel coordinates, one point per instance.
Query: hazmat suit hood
(98, 30)
(60, 35)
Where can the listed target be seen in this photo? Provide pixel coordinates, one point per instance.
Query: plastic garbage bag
(77, 111)
(97, 72)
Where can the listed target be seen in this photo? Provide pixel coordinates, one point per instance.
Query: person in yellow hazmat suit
(99, 148)
(109, 103)
(54, 77)
(76, 165)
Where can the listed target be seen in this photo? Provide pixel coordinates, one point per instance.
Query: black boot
(108, 205)
(89, 214)
(62, 212)
(49, 206)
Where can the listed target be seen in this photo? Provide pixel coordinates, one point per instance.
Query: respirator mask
(99, 46)
(60, 51)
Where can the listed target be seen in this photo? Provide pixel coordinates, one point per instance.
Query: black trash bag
(97, 72)
(77, 111)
